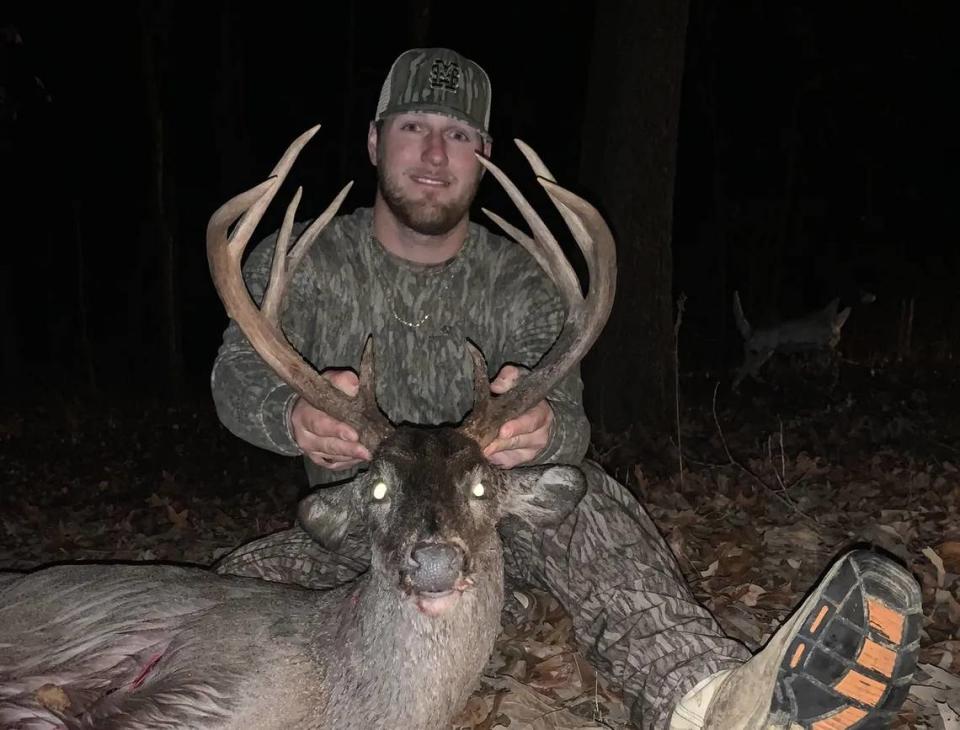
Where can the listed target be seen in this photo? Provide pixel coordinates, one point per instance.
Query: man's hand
(521, 439)
(326, 441)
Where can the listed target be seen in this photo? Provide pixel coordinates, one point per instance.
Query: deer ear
(542, 495)
(328, 514)
(746, 331)
(841, 319)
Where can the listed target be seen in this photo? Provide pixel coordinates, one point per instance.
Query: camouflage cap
(437, 80)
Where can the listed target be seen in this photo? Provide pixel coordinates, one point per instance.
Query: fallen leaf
(938, 564)
(528, 709)
(950, 553)
(52, 697)
(556, 671)
(950, 717)
(749, 596)
(474, 712)
(178, 519)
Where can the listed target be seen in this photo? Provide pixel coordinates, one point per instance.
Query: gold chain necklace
(392, 295)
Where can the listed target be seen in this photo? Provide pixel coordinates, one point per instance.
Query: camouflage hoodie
(349, 286)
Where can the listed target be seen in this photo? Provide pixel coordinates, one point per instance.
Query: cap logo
(445, 75)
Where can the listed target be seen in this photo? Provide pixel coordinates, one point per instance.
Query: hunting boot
(845, 659)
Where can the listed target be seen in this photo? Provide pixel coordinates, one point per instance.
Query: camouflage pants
(633, 614)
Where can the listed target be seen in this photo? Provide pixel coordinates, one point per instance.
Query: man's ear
(372, 139)
(485, 149)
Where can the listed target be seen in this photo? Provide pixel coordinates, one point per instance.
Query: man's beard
(425, 217)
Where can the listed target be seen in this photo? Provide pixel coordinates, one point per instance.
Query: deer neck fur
(421, 669)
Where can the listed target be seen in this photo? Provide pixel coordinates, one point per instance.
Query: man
(418, 275)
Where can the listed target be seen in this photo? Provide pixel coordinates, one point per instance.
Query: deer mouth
(437, 603)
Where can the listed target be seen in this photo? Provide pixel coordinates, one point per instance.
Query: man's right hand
(326, 441)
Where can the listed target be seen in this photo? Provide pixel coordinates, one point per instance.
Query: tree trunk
(156, 42)
(702, 36)
(628, 166)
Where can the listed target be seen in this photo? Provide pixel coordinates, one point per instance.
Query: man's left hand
(520, 439)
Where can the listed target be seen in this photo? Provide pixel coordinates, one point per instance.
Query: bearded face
(426, 214)
(427, 172)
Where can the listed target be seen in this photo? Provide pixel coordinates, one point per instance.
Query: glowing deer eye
(478, 490)
(379, 490)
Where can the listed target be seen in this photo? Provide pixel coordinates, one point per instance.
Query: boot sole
(851, 662)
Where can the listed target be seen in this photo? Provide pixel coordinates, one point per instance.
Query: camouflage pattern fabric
(633, 614)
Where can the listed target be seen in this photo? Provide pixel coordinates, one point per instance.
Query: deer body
(131, 646)
(816, 332)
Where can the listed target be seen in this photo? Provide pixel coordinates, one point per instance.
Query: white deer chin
(436, 604)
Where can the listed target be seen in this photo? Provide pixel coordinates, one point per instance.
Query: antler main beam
(586, 315)
(261, 324)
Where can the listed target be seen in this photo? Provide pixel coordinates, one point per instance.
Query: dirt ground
(755, 492)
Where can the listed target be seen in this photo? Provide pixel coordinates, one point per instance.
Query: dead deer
(147, 646)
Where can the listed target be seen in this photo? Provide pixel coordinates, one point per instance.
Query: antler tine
(542, 172)
(533, 159)
(262, 325)
(586, 315)
(286, 259)
(524, 240)
(270, 306)
(241, 235)
(543, 246)
(595, 240)
(307, 238)
(570, 209)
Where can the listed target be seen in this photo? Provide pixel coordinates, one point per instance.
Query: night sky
(848, 114)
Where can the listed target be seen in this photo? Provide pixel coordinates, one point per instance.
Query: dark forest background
(793, 151)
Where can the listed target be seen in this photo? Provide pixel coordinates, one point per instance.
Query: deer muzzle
(435, 576)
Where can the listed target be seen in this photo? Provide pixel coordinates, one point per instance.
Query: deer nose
(437, 566)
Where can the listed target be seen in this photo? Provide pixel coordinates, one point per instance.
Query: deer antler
(261, 325)
(586, 315)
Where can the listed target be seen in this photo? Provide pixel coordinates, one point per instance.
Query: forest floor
(773, 483)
